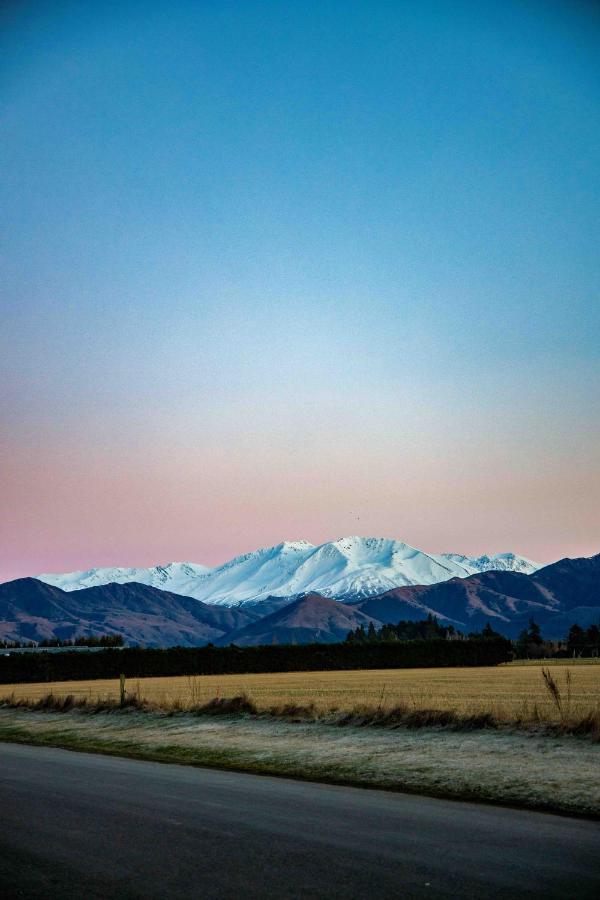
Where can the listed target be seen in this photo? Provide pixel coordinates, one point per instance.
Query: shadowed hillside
(311, 618)
(33, 610)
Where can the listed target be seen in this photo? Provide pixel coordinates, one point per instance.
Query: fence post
(122, 689)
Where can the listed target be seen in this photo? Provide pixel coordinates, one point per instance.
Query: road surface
(81, 825)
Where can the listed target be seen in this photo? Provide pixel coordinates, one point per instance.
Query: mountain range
(556, 596)
(350, 568)
(33, 610)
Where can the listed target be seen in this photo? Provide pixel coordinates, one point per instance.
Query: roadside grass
(169, 753)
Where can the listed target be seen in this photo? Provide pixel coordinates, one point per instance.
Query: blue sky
(241, 235)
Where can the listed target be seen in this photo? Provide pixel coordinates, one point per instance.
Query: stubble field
(507, 692)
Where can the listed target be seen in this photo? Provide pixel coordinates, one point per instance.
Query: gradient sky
(298, 270)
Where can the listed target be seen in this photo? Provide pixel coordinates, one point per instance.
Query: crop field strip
(507, 692)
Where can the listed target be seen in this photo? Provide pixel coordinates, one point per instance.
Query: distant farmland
(508, 692)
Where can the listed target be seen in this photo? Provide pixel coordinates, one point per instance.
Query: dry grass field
(509, 692)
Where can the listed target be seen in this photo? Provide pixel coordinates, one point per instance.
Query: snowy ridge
(172, 577)
(349, 568)
(499, 562)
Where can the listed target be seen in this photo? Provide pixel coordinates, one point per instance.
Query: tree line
(579, 642)
(530, 644)
(105, 640)
(137, 662)
(425, 629)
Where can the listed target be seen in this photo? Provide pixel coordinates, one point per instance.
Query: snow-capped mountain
(172, 577)
(349, 568)
(500, 562)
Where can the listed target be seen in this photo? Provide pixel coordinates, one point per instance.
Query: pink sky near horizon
(76, 509)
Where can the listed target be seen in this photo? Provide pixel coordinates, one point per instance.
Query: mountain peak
(351, 567)
(294, 546)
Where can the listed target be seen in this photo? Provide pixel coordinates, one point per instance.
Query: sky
(281, 270)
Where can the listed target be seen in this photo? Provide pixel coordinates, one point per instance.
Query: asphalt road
(81, 825)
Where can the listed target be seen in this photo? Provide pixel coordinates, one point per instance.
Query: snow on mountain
(499, 562)
(349, 568)
(174, 577)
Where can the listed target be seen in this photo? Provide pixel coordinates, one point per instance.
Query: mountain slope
(349, 568)
(32, 610)
(556, 596)
(306, 620)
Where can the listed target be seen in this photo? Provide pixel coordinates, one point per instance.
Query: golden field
(508, 692)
